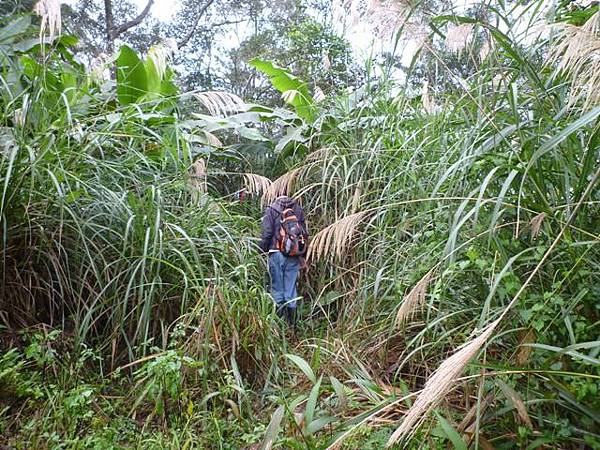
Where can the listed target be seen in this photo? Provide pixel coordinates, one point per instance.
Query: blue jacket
(271, 217)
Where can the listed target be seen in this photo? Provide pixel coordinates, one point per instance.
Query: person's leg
(291, 268)
(276, 272)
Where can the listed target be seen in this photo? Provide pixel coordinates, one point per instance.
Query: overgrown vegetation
(452, 293)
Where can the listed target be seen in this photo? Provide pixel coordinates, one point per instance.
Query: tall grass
(477, 191)
(453, 260)
(106, 236)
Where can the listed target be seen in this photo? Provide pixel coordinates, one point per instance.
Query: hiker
(285, 238)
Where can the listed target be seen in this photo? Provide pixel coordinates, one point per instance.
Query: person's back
(283, 268)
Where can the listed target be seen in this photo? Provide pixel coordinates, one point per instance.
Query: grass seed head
(161, 55)
(576, 52)
(458, 37)
(49, 11)
(219, 103)
(336, 238)
(415, 299)
(439, 384)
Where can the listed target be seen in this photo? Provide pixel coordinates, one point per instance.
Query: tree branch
(227, 22)
(133, 22)
(190, 33)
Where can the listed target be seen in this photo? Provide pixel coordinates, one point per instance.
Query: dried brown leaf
(256, 184)
(515, 399)
(281, 186)
(197, 178)
(525, 350)
(536, 224)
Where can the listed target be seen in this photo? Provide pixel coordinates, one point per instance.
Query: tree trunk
(110, 25)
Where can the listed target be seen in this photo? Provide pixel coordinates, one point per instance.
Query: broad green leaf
(303, 366)
(251, 133)
(154, 81)
(563, 134)
(311, 404)
(167, 86)
(338, 387)
(294, 135)
(14, 28)
(272, 429)
(319, 424)
(132, 81)
(452, 434)
(69, 84)
(25, 45)
(31, 68)
(295, 92)
(296, 402)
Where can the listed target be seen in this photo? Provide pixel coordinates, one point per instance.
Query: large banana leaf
(132, 79)
(294, 91)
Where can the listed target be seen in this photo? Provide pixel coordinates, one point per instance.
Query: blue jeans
(284, 273)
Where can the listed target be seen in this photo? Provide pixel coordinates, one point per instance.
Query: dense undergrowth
(134, 310)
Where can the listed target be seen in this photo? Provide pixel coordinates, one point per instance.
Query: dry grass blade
(336, 238)
(49, 11)
(211, 139)
(469, 419)
(256, 184)
(281, 186)
(415, 299)
(319, 155)
(439, 384)
(20, 114)
(356, 197)
(536, 224)
(289, 96)
(576, 52)
(220, 103)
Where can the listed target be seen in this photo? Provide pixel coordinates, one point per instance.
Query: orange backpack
(292, 239)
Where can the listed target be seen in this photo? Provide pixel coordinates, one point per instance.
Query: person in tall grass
(285, 239)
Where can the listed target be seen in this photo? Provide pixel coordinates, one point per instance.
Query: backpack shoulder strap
(274, 209)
